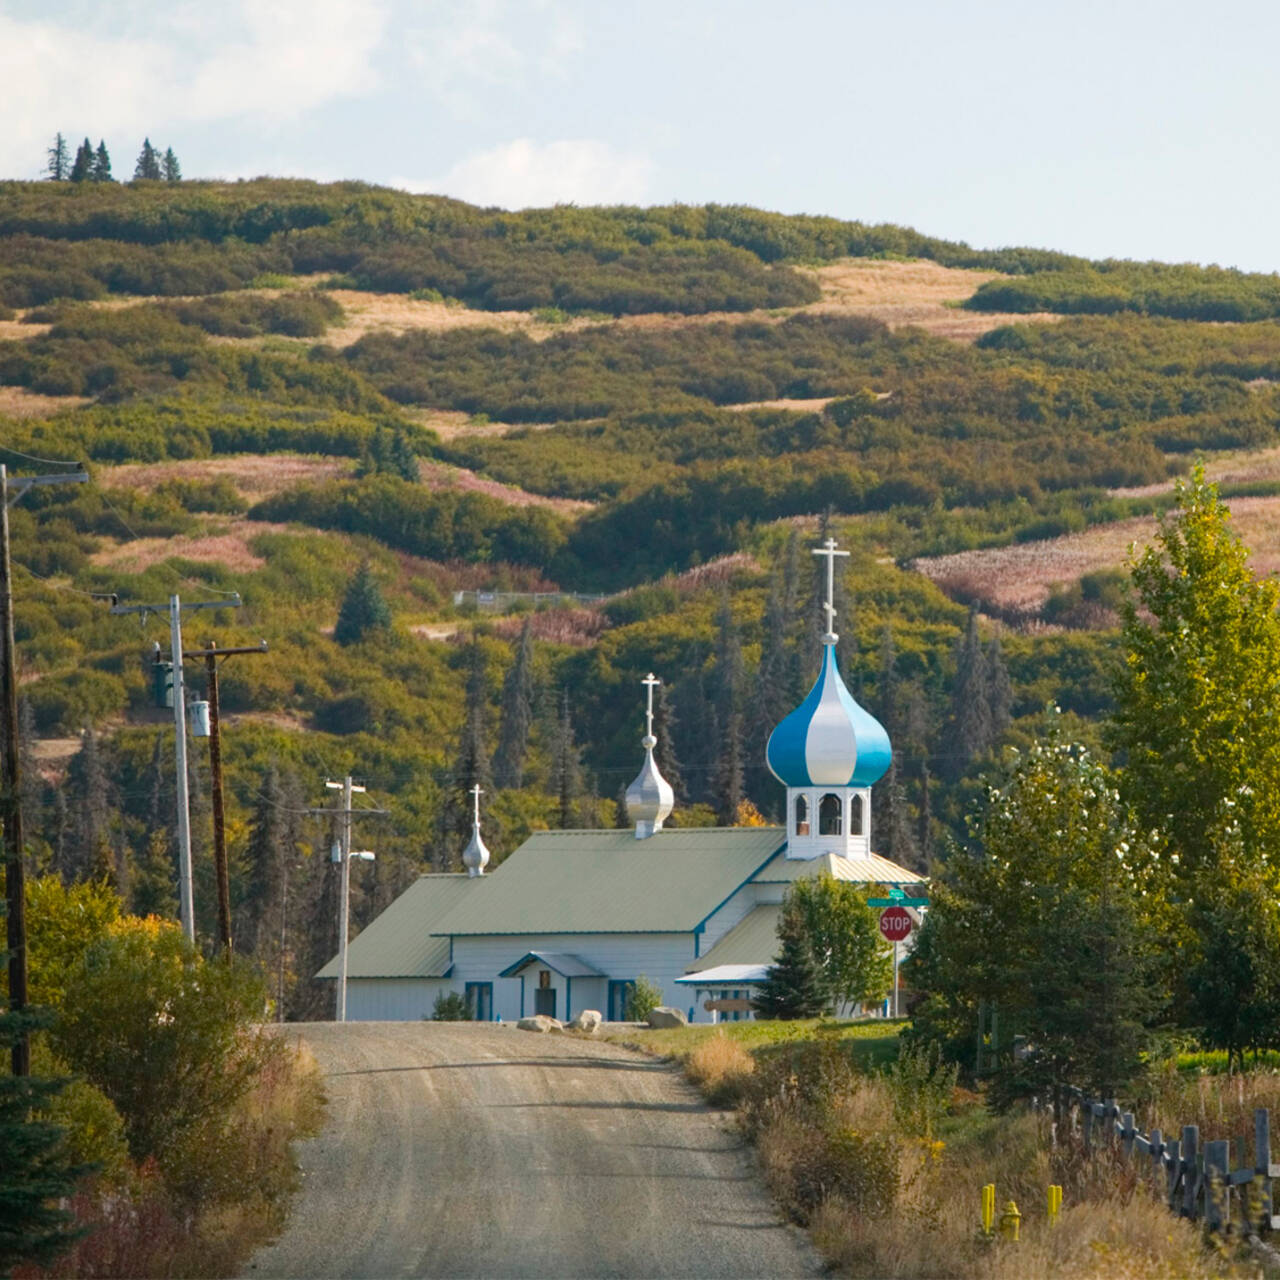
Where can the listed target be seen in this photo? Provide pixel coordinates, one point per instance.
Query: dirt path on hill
(478, 1150)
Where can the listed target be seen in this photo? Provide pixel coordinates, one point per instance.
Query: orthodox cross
(828, 552)
(476, 793)
(651, 682)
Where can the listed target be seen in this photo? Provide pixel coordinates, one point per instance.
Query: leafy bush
(450, 1006)
(643, 998)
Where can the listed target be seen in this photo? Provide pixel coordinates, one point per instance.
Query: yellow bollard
(1010, 1221)
(988, 1207)
(1055, 1204)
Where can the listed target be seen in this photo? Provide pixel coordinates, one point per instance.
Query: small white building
(572, 919)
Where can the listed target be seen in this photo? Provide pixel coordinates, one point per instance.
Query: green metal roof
(610, 882)
(404, 942)
(753, 940)
(872, 869)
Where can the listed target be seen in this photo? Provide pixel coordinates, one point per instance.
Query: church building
(572, 918)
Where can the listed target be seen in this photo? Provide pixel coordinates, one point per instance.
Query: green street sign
(899, 901)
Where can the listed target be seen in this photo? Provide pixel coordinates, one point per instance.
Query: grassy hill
(655, 406)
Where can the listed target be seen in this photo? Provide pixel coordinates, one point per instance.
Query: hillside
(274, 382)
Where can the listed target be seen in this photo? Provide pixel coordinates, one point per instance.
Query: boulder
(588, 1020)
(664, 1016)
(539, 1022)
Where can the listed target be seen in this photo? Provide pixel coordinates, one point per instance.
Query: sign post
(895, 925)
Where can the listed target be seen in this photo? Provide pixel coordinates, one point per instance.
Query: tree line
(94, 165)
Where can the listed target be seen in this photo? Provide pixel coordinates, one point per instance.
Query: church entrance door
(544, 1001)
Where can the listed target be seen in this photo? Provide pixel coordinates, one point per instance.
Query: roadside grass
(883, 1157)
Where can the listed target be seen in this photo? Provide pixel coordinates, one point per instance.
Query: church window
(855, 816)
(802, 815)
(829, 815)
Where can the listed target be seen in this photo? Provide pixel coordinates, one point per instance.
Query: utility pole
(11, 782)
(211, 654)
(186, 904)
(343, 853)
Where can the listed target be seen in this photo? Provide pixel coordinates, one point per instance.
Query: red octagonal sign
(895, 923)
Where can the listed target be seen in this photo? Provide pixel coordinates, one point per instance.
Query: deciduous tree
(844, 932)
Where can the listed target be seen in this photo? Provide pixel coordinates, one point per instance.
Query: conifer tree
(566, 769)
(471, 766)
(172, 171)
(274, 835)
(82, 167)
(729, 792)
(89, 806)
(970, 724)
(401, 459)
(772, 698)
(698, 744)
(887, 709)
(517, 714)
(148, 165)
(35, 1170)
(794, 987)
(899, 844)
(155, 879)
(101, 164)
(59, 166)
(363, 608)
(664, 754)
(999, 691)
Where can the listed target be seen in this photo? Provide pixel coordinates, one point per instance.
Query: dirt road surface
(482, 1151)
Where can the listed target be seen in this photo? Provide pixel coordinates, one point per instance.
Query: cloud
(523, 174)
(177, 64)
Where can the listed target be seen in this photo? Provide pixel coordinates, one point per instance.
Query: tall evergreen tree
(89, 803)
(471, 765)
(517, 714)
(729, 783)
(101, 164)
(898, 838)
(35, 1170)
(772, 697)
(154, 888)
(970, 724)
(274, 836)
(363, 608)
(59, 165)
(999, 690)
(664, 754)
(794, 987)
(82, 167)
(727, 705)
(566, 767)
(887, 708)
(172, 170)
(698, 745)
(148, 165)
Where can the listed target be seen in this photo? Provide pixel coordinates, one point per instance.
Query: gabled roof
(752, 941)
(610, 882)
(871, 869)
(565, 965)
(403, 941)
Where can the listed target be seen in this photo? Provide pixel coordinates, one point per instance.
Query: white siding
(394, 999)
(659, 957)
(724, 918)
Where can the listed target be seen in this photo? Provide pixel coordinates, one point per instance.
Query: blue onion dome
(829, 740)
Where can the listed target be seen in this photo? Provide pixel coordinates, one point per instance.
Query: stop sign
(895, 923)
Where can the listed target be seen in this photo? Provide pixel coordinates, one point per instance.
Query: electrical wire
(31, 457)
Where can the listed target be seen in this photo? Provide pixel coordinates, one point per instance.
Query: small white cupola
(649, 798)
(475, 857)
(827, 753)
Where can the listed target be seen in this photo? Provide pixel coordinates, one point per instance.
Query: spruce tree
(794, 987)
(172, 171)
(772, 699)
(970, 724)
(101, 164)
(82, 167)
(155, 878)
(999, 690)
(274, 837)
(148, 166)
(363, 608)
(899, 844)
(664, 754)
(401, 459)
(729, 786)
(35, 1170)
(566, 769)
(517, 714)
(59, 166)
(88, 790)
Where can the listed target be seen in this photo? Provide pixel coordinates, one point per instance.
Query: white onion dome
(475, 857)
(650, 798)
(829, 740)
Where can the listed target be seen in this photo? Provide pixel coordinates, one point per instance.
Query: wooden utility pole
(211, 654)
(186, 902)
(11, 781)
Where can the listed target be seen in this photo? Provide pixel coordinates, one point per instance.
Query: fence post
(1127, 1133)
(1156, 1152)
(1088, 1125)
(1217, 1171)
(1173, 1169)
(1262, 1164)
(1190, 1144)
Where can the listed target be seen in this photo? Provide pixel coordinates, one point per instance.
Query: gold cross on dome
(828, 552)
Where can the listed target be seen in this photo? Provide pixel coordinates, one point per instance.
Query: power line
(31, 457)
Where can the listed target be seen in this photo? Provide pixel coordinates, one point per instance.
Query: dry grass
(1234, 467)
(721, 1068)
(225, 543)
(16, 402)
(440, 475)
(254, 476)
(578, 628)
(449, 424)
(1018, 579)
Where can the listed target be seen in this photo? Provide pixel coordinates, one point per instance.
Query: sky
(1121, 129)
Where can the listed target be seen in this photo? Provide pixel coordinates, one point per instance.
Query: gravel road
(456, 1149)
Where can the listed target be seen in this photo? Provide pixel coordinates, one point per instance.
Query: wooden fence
(1223, 1184)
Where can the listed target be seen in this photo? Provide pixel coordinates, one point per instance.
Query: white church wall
(725, 917)
(661, 958)
(394, 999)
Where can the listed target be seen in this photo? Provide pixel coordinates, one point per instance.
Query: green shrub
(450, 1006)
(643, 998)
